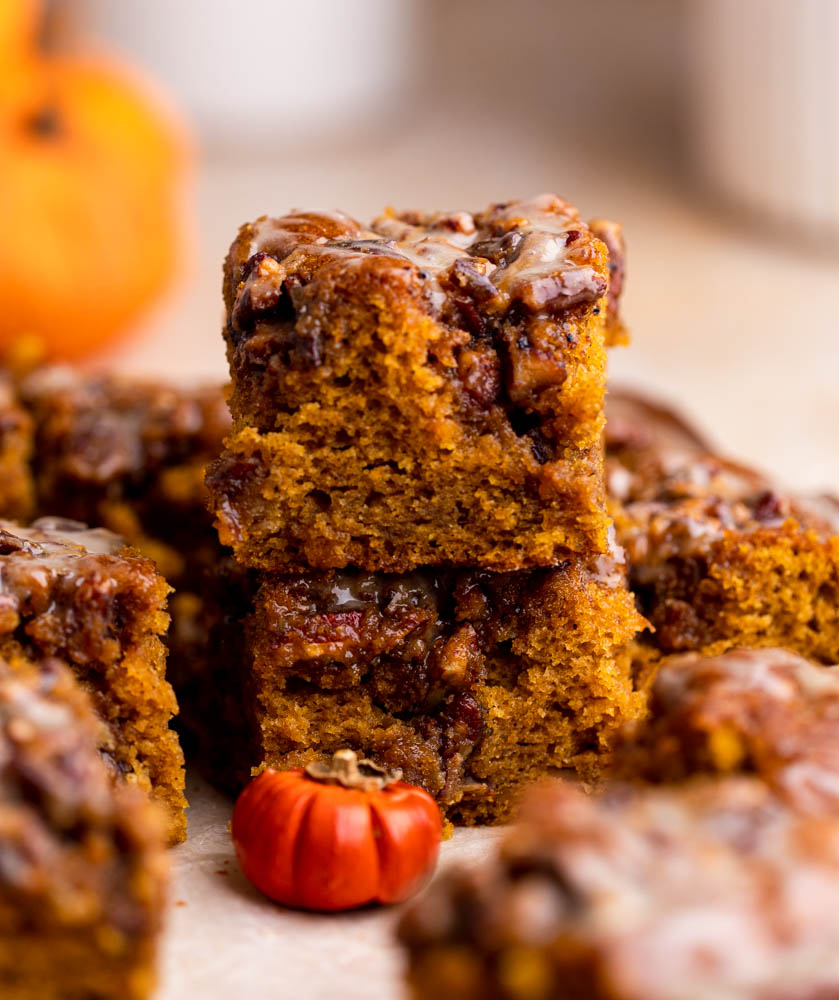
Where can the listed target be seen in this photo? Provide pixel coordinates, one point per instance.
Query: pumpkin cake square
(717, 866)
(472, 683)
(763, 712)
(129, 455)
(427, 391)
(718, 555)
(80, 595)
(83, 866)
(714, 888)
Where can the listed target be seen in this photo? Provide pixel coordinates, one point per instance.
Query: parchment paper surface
(225, 941)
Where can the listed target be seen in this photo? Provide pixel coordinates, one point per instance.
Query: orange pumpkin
(18, 30)
(18, 26)
(336, 837)
(89, 175)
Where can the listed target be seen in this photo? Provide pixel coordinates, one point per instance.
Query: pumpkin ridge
(300, 837)
(380, 835)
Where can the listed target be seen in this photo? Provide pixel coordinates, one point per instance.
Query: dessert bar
(710, 889)
(83, 867)
(80, 595)
(129, 455)
(718, 555)
(765, 712)
(427, 391)
(472, 683)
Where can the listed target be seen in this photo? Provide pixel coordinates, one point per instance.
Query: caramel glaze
(536, 253)
(500, 282)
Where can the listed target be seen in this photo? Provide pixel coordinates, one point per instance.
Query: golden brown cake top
(676, 496)
(537, 255)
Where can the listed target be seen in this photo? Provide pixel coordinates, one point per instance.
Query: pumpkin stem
(346, 769)
(53, 27)
(45, 123)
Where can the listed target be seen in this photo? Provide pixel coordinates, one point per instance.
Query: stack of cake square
(423, 565)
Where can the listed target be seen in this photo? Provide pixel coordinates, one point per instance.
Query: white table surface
(737, 327)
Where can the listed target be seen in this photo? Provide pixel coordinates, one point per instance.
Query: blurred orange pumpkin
(18, 30)
(336, 836)
(18, 25)
(90, 170)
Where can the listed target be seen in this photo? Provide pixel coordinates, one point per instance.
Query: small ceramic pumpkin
(337, 836)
